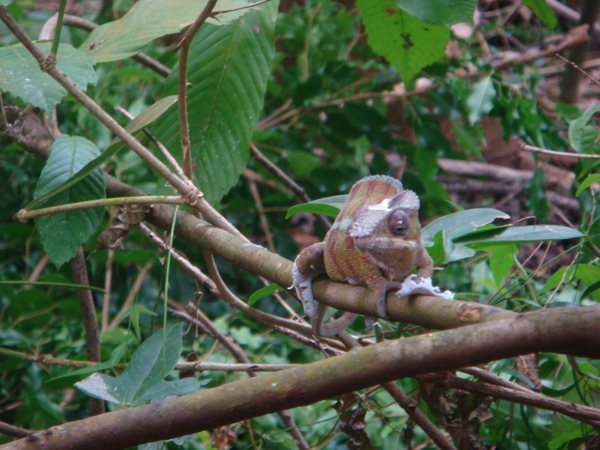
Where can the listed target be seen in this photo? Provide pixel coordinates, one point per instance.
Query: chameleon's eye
(399, 223)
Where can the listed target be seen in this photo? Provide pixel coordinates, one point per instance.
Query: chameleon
(374, 242)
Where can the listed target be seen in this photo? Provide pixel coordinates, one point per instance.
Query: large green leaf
(148, 20)
(20, 74)
(440, 12)
(142, 381)
(405, 41)
(228, 70)
(63, 233)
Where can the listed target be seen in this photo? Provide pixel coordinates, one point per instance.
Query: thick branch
(568, 330)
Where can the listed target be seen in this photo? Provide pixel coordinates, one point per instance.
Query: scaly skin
(374, 242)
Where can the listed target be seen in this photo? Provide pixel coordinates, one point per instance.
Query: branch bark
(566, 330)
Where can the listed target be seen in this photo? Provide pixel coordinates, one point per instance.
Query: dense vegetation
(171, 283)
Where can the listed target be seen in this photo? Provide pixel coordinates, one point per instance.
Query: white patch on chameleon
(383, 206)
(413, 285)
(344, 224)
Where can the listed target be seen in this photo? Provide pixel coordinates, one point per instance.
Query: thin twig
(578, 412)
(261, 214)
(180, 259)
(251, 5)
(577, 68)
(407, 404)
(24, 214)
(108, 288)
(298, 190)
(237, 352)
(184, 127)
(167, 154)
(530, 148)
(133, 293)
(88, 313)
(12, 430)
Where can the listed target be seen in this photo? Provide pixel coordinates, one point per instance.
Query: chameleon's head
(390, 233)
(394, 217)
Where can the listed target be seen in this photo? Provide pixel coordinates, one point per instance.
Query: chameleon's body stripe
(356, 264)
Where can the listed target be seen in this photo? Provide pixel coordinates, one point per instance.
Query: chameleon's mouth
(383, 244)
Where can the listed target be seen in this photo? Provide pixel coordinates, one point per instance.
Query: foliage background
(335, 110)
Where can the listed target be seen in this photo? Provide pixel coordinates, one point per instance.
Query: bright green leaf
(63, 233)
(595, 178)
(328, 206)
(228, 70)
(577, 127)
(148, 116)
(20, 74)
(405, 41)
(502, 259)
(481, 100)
(264, 292)
(440, 12)
(543, 11)
(115, 357)
(148, 20)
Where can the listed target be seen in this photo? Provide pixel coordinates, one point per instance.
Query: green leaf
(148, 20)
(115, 357)
(531, 233)
(467, 138)
(328, 206)
(578, 128)
(303, 163)
(405, 41)
(148, 116)
(440, 12)
(481, 100)
(460, 223)
(502, 259)
(264, 292)
(543, 11)
(142, 381)
(595, 178)
(228, 70)
(63, 233)
(144, 118)
(537, 201)
(20, 74)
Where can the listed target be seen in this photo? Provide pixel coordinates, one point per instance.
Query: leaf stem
(24, 215)
(59, 24)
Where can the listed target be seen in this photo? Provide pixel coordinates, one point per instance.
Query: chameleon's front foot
(418, 285)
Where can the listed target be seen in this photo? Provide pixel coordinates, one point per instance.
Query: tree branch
(567, 330)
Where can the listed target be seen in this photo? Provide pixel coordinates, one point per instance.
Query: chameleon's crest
(407, 200)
